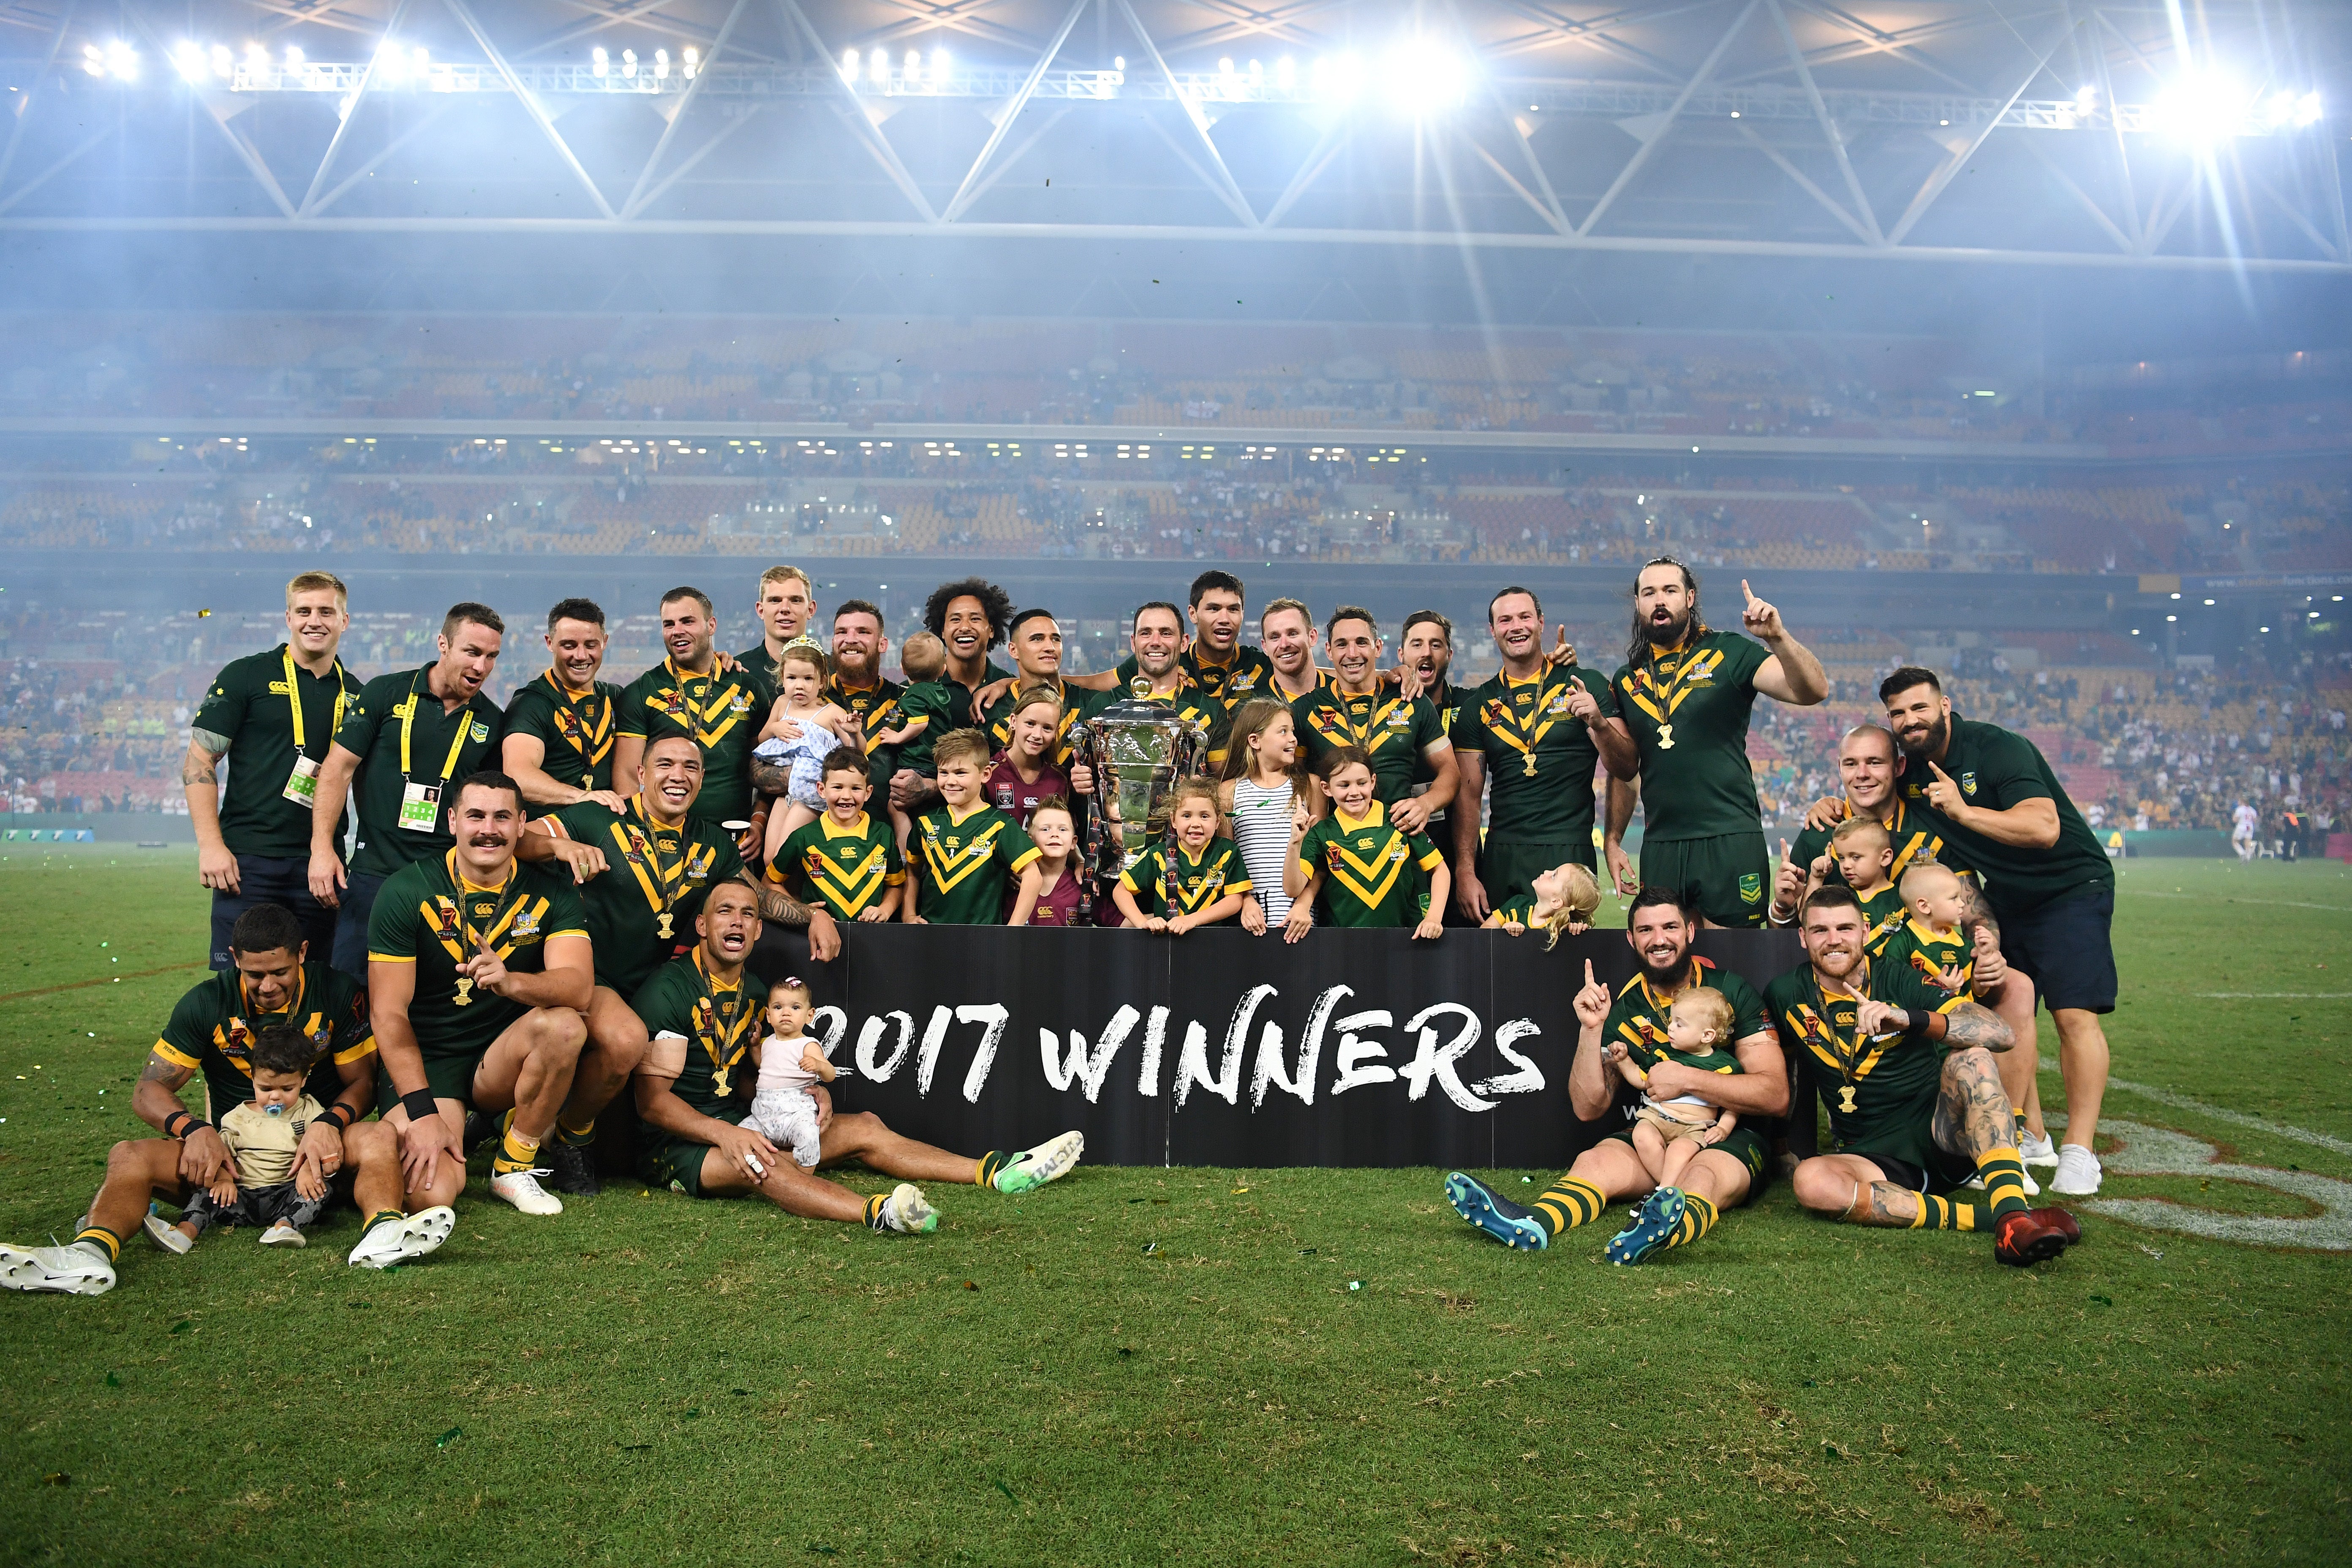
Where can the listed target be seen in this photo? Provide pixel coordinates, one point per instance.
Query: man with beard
(787, 601)
(1037, 642)
(1533, 735)
(969, 617)
(689, 693)
(1914, 1099)
(2005, 816)
(1866, 767)
(479, 972)
(1286, 630)
(407, 737)
(560, 728)
(1685, 694)
(1400, 735)
(1722, 1176)
(857, 686)
(1156, 642)
(1219, 667)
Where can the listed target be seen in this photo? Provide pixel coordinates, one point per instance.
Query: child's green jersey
(1365, 863)
(1198, 883)
(970, 861)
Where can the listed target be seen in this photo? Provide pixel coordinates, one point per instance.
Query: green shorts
(1510, 868)
(1746, 1145)
(1728, 879)
(1936, 1171)
(672, 1162)
(449, 1078)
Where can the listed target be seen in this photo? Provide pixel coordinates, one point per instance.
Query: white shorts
(788, 1119)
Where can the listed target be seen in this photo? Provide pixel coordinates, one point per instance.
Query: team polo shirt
(1198, 883)
(721, 712)
(1078, 705)
(642, 907)
(213, 1027)
(1637, 1018)
(1366, 866)
(1914, 841)
(402, 735)
(1247, 674)
(1687, 708)
(930, 703)
(1394, 732)
(428, 915)
(1927, 952)
(970, 861)
(1538, 756)
(1880, 1089)
(577, 729)
(268, 709)
(843, 868)
(720, 1023)
(1998, 768)
(876, 707)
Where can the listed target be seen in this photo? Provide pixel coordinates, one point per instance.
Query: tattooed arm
(200, 777)
(1976, 915)
(156, 1100)
(779, 907)
(1967, 1027)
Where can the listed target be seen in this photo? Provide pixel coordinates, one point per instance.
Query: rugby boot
(2033, 1236)
(905, 1212)
(572, 1166)
(1655, 1224)
(1497, 1215)
(521, 1189)
(1033, 1168)
(403, 1237)
(80, 1270)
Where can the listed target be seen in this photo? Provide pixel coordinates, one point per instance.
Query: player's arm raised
(1589, 1090)
(1792, 675)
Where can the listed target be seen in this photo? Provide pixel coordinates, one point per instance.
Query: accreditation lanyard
(302, 785)
(420, 804)
(721, 1027)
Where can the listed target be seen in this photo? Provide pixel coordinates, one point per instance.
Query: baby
(1560, 900)
(1668, 1134)
(783, 1110)
(260, 1185)
(801, 675)
(1932, 941)
(928, 705)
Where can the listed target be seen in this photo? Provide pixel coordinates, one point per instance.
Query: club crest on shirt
(480, 732)
(526, 925)
(1967, 783)
(1559, 704)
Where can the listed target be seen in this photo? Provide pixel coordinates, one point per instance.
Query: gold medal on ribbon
(664, 932)
(1666, 737)
(465, 990)
(1530, 770)
(1845, 1098)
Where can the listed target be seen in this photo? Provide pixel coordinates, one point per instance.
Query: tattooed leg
(1973, 1114)
(1849, 1187)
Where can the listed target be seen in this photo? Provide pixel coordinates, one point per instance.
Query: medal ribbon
(1505, 727)
(1665, 697)
(593, 742)
(722, 1028)
(638, 832)
(704, 712)
(294, 700)
(461, 942)
(1846, 1056)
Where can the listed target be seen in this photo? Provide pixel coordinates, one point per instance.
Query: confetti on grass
(448, 1438)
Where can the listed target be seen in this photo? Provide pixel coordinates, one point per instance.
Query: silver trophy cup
(1137, 750)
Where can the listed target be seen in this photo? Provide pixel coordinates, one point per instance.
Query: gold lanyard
(294, 698)
(1664, 697)
(720, 1032)
(408, 726)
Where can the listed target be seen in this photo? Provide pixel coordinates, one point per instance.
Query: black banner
(1353, 1048)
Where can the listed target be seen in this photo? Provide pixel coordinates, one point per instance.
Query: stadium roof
(2040, 131)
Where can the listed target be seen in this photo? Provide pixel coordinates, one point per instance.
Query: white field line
(2278, 995)
(2235, 1118)
(2275, 903)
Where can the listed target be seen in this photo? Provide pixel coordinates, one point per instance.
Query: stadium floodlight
(188, 60)
(914, 69)
(2203, 106)
(224, 64)
(877, 67)
(1286, 74)
(849, 67)
(600, 64)
(692, 61)
(661, 64)
(93, 59)
(1419, 77)
(629, 64)
(2306, 110)
(257, 59)
(389, 62)
(294, 57)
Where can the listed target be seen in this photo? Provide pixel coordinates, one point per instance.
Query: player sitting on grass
(213, 1030)
(1359, 862)
(783, 1110)
(928, 711)
(1914, 1101)
(973, 854)
(264, 1182)
(1205, 884)
(703, 1010)
(1560, 900)
(844, 860)
(1660, 928)
(1668, 1134)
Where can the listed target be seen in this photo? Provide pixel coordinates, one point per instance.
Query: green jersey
(1883, 911)
(719, 1023)
(1446, 699)
(428, 915)
(845, 870)
(1247, 674)
(1538, 756)
(275, 721)
(1638, 1018)
(1914, 841)
(1078, 705)
(212, 1028)
(576, 729)
(412, 753)
(933, 703)
(642, 906)
(1198, 883)
(970, 863)
(876, 707)
(721, 712)
(1880, 1089)
(1364, 865)
(1395, 732)
(1996, 768)
(1929, 953)
(1687, 710)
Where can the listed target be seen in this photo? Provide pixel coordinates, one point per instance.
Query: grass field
(1312, 1366)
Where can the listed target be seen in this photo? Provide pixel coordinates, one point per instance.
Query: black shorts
(1945, 1173)
(449, 1078)
(2066, 947)
(1726, 879)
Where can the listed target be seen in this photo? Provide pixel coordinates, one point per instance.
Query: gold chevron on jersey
(639, 843)
(1366, 857)
(1921, 845)
(1330, 719)
(949, 862)
(584, 720)
(1659, 698)
(1823, 1040)
(721, 708)
(1548, 708)
(849, 869)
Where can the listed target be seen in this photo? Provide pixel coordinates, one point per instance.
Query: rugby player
(1402, 735)
(478, 974)
(1156, 641)
(2005, 816)
(718, 706)
(410, 735)
(1915, 1102)
(1659, 926)
(1216, 663)
(1685, 694)
(560, 730)
(969, 617)
(1867, 764)
(1533, 732)
(1037, 642)
(857, 686)
(280, 711)
(695, 1086)
(785, 605)
(1424, 665)
(1286, 630)
(272, 981)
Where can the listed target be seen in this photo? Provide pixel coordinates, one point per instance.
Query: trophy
(1137, 750)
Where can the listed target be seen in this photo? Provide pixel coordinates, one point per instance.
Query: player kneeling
(703, 1012)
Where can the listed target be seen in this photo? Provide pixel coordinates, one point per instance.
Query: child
(261, 1183)
(1259, 780)
(783, 1110)
(1562, 899)
(1862, 854)
(1064, 898)
(928, 706)
(1361, 862)
(844, 860)
(802, 670)
(1024, 773)
(1668, 1134)
(972, 852)
(1206, 884)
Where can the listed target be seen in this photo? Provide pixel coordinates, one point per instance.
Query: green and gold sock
(991, 1163)
(1699, 1215)
(874, 1211)
(516, 1153)
(378, 1217)
(102, 1239)
(2019, 1117)
(583, 1133)
(1944, 1214)
(1569, 1202)
(2004, 1180)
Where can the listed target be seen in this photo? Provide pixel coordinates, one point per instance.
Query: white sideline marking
(2275, 903)
(2149, 1151)
(2280, 995)
(2236, 1118)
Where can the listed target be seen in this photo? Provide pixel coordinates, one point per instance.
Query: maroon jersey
(1057, 905)
(1003, 790)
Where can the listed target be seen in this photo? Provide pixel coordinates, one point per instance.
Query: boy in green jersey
(846, 859)
(970, 851)
(1860, 855)
(1360, 864)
